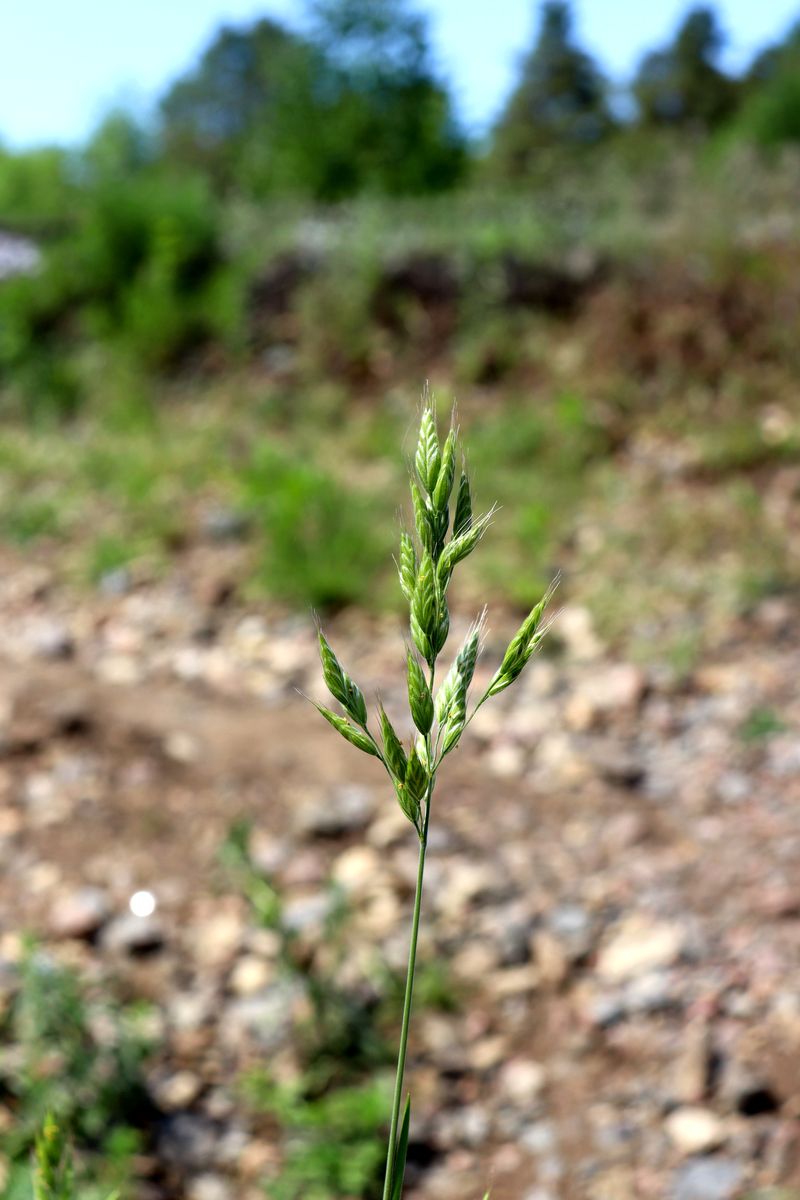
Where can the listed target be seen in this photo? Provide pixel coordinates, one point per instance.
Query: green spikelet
(393, 750)
(462, 519)
(408, 566)
(419, 695)
(428, 457)
(447, 470)
(355, 736)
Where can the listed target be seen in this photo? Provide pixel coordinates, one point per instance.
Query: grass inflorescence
(446, 531)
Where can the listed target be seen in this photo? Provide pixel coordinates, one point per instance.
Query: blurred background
(236, 240)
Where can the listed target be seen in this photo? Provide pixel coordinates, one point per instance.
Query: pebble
(640, 944)
(178, 1091)
(708, 1179)
(250, 974)
(358, 870)
(129, 934)
(343, 810)
(522, 1081)
(80, 914)
(209, 1187)
(695, 1130)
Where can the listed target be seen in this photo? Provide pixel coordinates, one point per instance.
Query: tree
(770, 112)
(559, 101)
(250, 84)
(390, 120)
(352, 106)
(682, 84)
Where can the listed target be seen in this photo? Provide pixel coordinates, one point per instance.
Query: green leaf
(401, 1152)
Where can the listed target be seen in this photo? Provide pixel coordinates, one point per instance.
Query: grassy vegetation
(73, 1059)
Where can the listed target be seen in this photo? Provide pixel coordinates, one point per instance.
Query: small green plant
(761, 723)
(54, 1169)
(440, 716)
(71, 1083)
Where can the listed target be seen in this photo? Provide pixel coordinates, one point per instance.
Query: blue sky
(63, 62)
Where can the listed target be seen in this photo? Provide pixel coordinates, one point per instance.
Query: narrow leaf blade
(399, 1164)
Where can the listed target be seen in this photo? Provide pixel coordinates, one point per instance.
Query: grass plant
(442, 504)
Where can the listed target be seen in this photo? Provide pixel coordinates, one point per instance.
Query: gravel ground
(613, 882)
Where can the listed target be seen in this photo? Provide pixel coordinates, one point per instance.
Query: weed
(77, 1070)
(761, 723)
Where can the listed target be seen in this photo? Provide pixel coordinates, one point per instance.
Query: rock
(614, 761)
(640, 945)
(572, 927)
(343, 810)
(80, 914)
(266, 1018)
(209, 1187)
(52, 640)
(465, 1126)
(220, 524)
(708, 1179)
(129, 934)
(616, 688)
(695, 1130)
(358, 870)
(249, 975)
(522, 1081)
(217, 938)
(575, 628)
(178, 1091)
(304, 914)
(550, 957)
(188, 1140)
(506, 760)
(181, 747)
(746, 1091)
(691, 1074)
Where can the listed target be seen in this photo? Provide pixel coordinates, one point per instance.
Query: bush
(320, 545)
(144, 271)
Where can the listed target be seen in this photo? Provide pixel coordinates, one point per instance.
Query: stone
(695, 1130)
(708, 1179)
(358, 870)
(129, 934)
(52, 640)
(220, 524)
(343, 810)
(209, 1187)
(250, 974)
(80, 914)
(639, 945)
(178, 1091)
(691, 1073)
(522, 1081)
(217, 938)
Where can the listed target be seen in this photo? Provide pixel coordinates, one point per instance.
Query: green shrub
(320, 544)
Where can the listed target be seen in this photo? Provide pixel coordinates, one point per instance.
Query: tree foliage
(561, 98)
(353, 106)
(682, 84)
